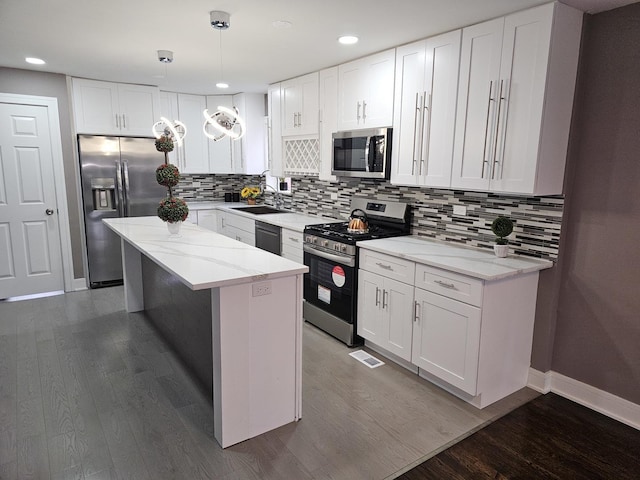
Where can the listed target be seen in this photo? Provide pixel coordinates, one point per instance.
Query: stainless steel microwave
(362, 153)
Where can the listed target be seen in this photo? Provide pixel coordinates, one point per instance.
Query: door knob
(48, 211)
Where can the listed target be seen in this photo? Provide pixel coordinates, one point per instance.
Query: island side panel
(132, 274)
(256, 357)
(183, 318)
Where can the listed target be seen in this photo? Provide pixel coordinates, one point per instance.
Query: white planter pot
(501, 250)
(174, 228)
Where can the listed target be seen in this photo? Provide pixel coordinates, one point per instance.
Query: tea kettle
(358, 221)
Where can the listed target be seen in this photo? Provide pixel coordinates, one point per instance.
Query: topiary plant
(167, 175)
(173, 209)
(502, 228)
(164, 144)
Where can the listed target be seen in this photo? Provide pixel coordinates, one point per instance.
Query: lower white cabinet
(292, 245)
(385, 312)
(208, 219)
(237, 227)
(471, 337)
(446, 339)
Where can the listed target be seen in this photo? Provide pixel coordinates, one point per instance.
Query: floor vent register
(368, 360)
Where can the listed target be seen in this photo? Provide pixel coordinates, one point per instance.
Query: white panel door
(195, 143)
(370, 320)
(30, 255)
(220, 160)
(139, 108)
(169, 110)
(95, 106)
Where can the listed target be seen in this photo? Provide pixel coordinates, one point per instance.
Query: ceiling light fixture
(165, 56)
(348, 39)
(225, 122)
(176, 130)
(34, 61)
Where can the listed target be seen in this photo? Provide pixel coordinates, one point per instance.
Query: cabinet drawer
(240, 222)
(449, 284)
(291, 238)
(387, 265)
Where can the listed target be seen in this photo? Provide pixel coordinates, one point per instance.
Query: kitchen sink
(259, 209)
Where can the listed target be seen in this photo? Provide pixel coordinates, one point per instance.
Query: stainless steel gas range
(330, 252)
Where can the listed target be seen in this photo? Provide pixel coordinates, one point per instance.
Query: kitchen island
(248, 299)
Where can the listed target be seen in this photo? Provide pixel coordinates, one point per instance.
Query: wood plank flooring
(88, 391)
(548, 438)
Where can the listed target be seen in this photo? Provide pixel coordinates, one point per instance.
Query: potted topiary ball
(502, 228)
(174, 211)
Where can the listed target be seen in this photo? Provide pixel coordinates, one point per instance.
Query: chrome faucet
(279, 201)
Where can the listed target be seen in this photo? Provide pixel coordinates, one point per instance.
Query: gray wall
(28, 82)
(597, 331)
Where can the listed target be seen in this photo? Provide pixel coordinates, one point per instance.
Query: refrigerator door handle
(125, 170)
(119, 190)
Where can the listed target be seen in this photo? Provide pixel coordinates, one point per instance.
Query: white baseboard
(591, 397)
(79, 284)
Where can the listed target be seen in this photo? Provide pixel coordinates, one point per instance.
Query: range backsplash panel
(537, 220)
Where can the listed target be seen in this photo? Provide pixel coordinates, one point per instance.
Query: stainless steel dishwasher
(268, 237)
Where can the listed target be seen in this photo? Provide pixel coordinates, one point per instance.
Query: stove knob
(344, 248)
(314, 240)
(325, 243)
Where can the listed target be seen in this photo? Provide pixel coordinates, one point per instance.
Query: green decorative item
(167, 175)
(164, 144)
(173, 209)
(502, 228)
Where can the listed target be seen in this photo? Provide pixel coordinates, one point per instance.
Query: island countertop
(200, 258)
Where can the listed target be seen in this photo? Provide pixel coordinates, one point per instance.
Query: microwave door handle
(367, 155)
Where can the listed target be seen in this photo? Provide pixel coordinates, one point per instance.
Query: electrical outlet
(260, 289)
(460, 210)
(334, 195)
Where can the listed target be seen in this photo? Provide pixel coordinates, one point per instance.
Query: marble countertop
(199, 257)
(291, 220)
(467, 261)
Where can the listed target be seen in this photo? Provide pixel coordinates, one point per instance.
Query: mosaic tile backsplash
(537, 219)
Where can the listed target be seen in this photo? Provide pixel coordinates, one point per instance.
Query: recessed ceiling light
(34, 61)
(222, 85)
(348, 39)
(281, 24)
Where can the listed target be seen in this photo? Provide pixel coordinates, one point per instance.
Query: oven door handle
(349, 261)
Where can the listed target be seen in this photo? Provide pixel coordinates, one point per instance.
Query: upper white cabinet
(328, 99)
(169, 110)
(249, 152)
(515, 98)
(195, 157)
(365, 92)
(274, 131)
(114, 108)
(300, 105)
(425, 111)
(220, 158)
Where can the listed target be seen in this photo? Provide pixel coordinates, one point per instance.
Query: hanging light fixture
(176, 130)
(225, 122)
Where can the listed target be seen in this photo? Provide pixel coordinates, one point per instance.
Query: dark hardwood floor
(548, 438)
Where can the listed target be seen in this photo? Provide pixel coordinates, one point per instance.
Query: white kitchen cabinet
(328, 100)
(274, 131)
(195, 158)
(365, 92)
(385, 312)
(114, 108)
(208, 219)
(515, 98)
(300, 105)
(426, 90)
(292, 245)
(446, 339)
(249, 151)
(220, 158)
(169, 110)
(237, 227)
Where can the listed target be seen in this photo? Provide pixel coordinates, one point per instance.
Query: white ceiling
(117, 40)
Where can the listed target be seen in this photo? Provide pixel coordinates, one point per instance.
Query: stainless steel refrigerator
(118, 180)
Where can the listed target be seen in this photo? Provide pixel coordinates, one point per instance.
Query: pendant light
(176, 130)
(225, 122)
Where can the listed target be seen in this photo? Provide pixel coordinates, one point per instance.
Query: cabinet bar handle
(364, 111)
(358, 113)
(384, 298)
(495, 148)
(416, 315)
(124, 121)
(426, 127)
(117, 121)
(386, 267)
(293, 239)
(415, 133)
(445, 284)
(377, 296)
(504, 95)
(486, 130)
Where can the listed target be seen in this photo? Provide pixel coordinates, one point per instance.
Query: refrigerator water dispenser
(104, 193)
